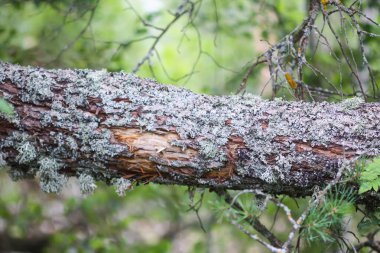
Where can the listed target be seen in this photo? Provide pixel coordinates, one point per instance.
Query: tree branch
(109, 126)
(253, 221)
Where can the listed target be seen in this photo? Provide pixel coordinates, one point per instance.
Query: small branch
(243, 84)
(80, 34)
(141, 18)
(256, 238)
(313, 202)
(253, 221)
(351, 13)
(370, 243)
(179, 13)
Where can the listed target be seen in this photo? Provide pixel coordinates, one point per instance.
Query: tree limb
(115, 125)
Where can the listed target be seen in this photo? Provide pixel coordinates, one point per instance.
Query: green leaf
(370, 176)
(364, 187)
(374, 165)
(376, 186)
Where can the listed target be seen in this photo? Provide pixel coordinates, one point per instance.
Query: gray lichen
(121, 185)
(19, 174)
(51, 181)
(351, 103)
(37, 85)
(87, 183)
(3, 163)
(23, 143)
(67, 113)
(26, 153)
(208, 149)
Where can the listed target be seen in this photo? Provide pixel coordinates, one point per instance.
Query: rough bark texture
(116, 126)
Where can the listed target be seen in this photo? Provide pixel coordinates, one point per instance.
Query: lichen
(87, 183)
(23, 143)
(26, 153)
(118, 121)
(19, 174)
(37, 87)
(208, 149)
(121, 185)
(97, 141)
(3, 163)
(351, 103)
(51, 181)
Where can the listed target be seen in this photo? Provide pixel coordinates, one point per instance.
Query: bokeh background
(208, 52)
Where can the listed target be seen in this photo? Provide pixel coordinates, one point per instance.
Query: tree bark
(105, 126)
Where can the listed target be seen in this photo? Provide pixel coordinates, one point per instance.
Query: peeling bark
(116, 125)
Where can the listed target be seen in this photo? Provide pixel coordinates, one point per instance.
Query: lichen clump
(87, 183)
(50, 179)
(122, 185)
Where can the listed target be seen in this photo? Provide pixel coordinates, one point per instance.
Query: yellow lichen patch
(324, 3)
(290, 80)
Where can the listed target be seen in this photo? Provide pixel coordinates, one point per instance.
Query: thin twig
(179, 13)
(80, 34)
(253, 221)
(243, 84)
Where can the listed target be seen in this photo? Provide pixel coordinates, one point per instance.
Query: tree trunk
(95, 124)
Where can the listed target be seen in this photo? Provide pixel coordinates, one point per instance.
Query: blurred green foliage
(210, 54)
(370, 176)
(326, 221)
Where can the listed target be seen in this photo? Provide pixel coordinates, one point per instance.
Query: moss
(6, 110)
